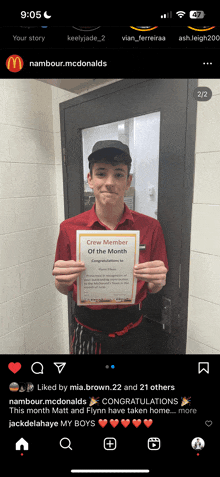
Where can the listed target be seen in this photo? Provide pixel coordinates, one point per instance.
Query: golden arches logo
(14, 63)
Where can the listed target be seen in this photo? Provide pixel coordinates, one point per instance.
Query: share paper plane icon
(60, 366)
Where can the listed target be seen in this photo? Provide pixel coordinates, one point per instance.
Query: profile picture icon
(14, 63)
(22, 387)
(201, 28)
(86, 28)
(14, 387)
(143, 28)
(30, 387)
(198, 443)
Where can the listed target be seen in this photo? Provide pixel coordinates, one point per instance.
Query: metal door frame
(187, 192)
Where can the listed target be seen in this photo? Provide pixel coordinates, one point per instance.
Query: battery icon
(197, 14)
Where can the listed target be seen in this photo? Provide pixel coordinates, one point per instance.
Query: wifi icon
(181, 14)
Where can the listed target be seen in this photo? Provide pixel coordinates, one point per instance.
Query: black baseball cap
(109, 147)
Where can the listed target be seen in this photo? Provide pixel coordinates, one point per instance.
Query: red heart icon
(14, 367)
(148, 422)
(114, 422)
(125, 422)
(103, 422)
(136, 422)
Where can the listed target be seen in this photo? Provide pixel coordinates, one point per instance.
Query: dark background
(176, 431)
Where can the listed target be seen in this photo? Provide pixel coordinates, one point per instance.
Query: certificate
(109, 258)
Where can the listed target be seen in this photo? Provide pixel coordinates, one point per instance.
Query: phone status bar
(57, 17)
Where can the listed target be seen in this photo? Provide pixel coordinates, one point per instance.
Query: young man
(114, 329)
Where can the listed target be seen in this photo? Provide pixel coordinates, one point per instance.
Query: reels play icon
(154, 443)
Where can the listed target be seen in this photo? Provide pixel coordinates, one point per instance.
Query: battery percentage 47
(197, 14)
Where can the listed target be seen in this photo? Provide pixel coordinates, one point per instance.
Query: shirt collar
(127, 215)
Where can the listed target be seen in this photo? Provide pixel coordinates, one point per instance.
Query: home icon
(22, 445)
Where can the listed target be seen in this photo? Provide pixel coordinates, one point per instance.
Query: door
(157, 119)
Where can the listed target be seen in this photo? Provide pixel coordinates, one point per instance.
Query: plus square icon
(110, 443)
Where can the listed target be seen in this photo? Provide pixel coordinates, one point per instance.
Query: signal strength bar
(167, 15)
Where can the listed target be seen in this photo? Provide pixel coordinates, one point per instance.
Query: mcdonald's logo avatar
(14, 63)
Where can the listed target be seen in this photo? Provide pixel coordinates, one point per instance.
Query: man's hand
(154, 273)
(66, 272)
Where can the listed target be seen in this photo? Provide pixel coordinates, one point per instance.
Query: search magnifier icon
(64, 446)
(38, 370)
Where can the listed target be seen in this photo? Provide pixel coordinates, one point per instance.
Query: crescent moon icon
(46, 16)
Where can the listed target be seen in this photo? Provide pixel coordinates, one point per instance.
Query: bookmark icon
(203, 366)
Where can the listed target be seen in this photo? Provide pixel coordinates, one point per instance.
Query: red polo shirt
(151, 235)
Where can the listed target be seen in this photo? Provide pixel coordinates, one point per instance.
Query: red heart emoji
(103, 422)
(14, 367)
(148, 422)
(125, 422)
(136, 422)
(114, 422)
